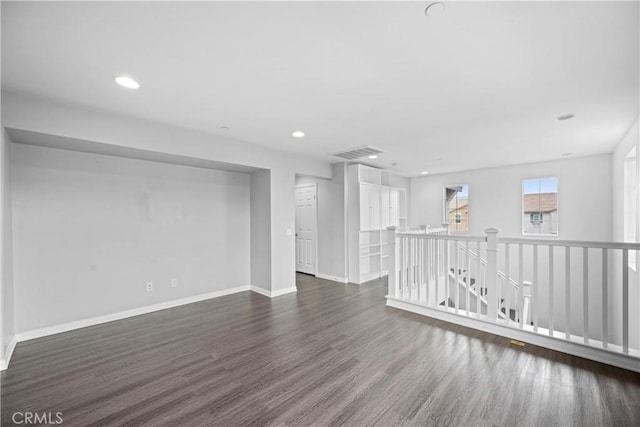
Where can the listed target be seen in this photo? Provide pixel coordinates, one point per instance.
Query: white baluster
(534, 289)
(507, 288)
(605, 294)
(447, 269)
(436, 247)
(428, 269)
(625, 301)
(393, 267)
(520, 291)
(479, 282)
(526, 306)
(468, 277)
(492, 274)
(456, 276)
(412, 269)
(585, 294)
(567, 292)
(550, 325)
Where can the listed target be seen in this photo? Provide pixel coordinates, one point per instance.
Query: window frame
(632, 156)
(523, 213)
(445, 209)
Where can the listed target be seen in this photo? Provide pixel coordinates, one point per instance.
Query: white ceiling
(477, 86)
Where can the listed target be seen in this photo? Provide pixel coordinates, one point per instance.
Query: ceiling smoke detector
(356, 153)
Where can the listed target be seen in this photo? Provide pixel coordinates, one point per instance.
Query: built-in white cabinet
(373, 205)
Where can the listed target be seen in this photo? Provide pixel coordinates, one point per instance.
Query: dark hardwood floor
(331, 354)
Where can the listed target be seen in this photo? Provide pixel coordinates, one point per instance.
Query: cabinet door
(374, 207)
(394, 207)
(385, 207)
(365, 211)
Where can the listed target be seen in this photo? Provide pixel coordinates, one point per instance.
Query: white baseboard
(332, 278)
(280, 292)
(260, 291)
(629, 362)
(83, 323)
(273, 294)
(4, 362)
(51, 330)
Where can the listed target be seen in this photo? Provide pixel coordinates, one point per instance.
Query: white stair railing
(570, 291)
(504, 281)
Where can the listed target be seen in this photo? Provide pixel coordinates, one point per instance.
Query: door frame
(315, 241)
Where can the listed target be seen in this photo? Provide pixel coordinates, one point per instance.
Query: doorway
(306, 228)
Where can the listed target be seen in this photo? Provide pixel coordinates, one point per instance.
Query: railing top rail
(572, 243)
(454, 237)
(419, 230)
(431, 234)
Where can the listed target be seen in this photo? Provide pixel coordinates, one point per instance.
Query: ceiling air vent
(356, 153)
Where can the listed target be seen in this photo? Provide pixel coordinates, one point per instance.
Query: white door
(306, 229)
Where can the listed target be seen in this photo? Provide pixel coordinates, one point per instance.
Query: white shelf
(371, 254)
(373, 205)
(370, 245)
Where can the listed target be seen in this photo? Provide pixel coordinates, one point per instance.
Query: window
(456, 208)
(631, 203)
(540, 206)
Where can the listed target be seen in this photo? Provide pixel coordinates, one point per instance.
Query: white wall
(91, 230)
(43, 116)
(260, 230)
(331, 223)
(495, 197)
(283, 224)
(632, 139)
(7, 324)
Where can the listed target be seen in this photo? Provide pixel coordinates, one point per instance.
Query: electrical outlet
(149, 287)
(174, 282)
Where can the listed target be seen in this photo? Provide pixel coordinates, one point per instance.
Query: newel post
(423, 229)
(393, 268)
(445, 225)
(492, 273)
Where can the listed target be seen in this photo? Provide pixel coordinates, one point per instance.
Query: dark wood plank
(330, 355)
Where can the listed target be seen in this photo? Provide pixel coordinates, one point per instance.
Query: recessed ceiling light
(565, 117)
(297, 134)
(373, 156)
(434, 9)
(128, 82)
(224, 127)
(566, 154)
(424, 173)
(394, 164)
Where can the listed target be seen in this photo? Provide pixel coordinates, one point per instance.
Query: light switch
(289, 232)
